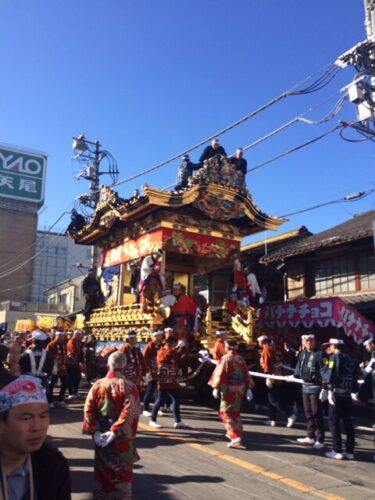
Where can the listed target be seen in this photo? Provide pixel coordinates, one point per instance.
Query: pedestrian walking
(150, 358)
(169, 361)
(57, 348)
(73, 363)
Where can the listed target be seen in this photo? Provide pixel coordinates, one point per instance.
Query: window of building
(366, 267)
(220, 289)
(335, 275)
(63, 298)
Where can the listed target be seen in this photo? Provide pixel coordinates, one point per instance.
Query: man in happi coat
(111, 416)
(183, 313)
(150, 353)
(135, 368)
(220, 349)
(232, 379)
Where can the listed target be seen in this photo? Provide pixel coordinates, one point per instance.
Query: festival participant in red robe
(231, 378)
(152, 286)
(73, 360)
(239, 276)
(135, 366)
(220, 349)
(57, 347)
(231, 305)
(15, 352)
(111, 416)
(183, 314)
(150, 359)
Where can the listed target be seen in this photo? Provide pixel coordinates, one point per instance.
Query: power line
(32, 244)
(296, 148)
(350, 197)
(20, 266)
(300, 118)
(330, 71)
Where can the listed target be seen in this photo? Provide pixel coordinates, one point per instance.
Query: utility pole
(92, 155)
(370, 19)
(362, 56)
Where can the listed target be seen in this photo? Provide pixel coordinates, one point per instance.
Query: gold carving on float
(113, 323)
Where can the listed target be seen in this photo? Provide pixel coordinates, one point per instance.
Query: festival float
(196, 230)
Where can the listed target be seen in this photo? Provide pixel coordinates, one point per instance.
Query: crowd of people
(31, 367)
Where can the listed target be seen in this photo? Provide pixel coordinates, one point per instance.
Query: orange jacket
(220, 349)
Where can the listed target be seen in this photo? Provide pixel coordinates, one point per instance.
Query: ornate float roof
(216, 202)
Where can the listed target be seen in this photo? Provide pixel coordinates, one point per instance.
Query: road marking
(257, 469)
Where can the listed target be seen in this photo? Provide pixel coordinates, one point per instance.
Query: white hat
(308, 336)
(22, 390)
(221, 332)
(158, 332)
(168, 329)
(336, 341)
(39, 335)
(131, 334)
(368, 341)
(262, 337)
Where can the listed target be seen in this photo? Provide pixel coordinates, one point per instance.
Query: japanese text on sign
(22, 174)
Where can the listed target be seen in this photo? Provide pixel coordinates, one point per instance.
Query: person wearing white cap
(36, 361)
(29, 467)
(339, 379)
(308, 368)
(169, 360)
(369, 370)
(57, 348)
(135, 368)
(74, 357)
(220, 349)
(367, 390)
(111, 415)
(270, 363)
(232, 379)
(150, 353)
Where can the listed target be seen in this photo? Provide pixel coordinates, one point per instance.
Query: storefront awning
(319, 312)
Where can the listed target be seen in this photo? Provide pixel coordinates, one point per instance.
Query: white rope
(285, 378)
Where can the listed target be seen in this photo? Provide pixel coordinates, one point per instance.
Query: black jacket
(51, 474)
(240, 164)
(309, 367)
(209, 152)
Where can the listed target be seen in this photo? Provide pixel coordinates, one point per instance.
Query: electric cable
(350, 197)
(296, 148)
(300, 118)
(337, 108)
(20, 266)
(330, 72)
(32, 244)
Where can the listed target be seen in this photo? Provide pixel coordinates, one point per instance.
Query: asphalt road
(196, 464)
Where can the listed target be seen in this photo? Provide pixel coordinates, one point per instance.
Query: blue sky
(153, 77)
